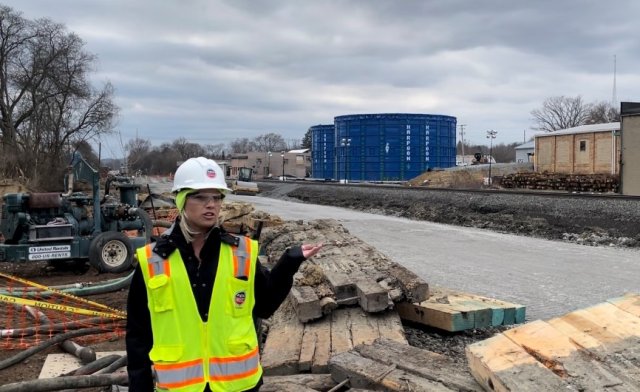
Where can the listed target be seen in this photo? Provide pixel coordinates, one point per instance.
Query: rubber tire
(111, 251)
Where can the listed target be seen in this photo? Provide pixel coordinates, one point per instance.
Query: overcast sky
(213, 71)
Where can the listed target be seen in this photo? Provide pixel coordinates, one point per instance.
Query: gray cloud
(213, 71)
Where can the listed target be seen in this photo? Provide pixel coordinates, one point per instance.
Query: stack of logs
(600, 183)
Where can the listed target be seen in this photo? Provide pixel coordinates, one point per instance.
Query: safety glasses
(206, 198)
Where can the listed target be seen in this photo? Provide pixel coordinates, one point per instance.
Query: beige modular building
(295, 163)
(630, 131)
(587, 149)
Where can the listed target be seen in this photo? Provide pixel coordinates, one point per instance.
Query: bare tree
(186, 149)
(602, 113)
(216, 151)
(241, 146)
(293, 144)
(46, 101)
(137, 151)
(561, 113)
(269, 142)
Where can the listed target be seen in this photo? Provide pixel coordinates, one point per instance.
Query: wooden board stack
(457, 311)
(592, 349)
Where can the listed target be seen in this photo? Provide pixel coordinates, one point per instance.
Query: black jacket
(271, 289)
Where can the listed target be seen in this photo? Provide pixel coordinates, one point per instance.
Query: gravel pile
(583, 220)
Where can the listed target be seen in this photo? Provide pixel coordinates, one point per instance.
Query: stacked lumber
(455, 311)
(598, 183)
(592, 349)
(346, 272)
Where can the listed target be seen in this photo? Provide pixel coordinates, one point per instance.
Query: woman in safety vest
(195, 293)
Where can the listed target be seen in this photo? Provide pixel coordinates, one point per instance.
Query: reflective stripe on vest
(157, 265)
(241, 254)
(233, 368)
(179, 374)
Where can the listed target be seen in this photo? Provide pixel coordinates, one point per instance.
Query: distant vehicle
(244, 185)
(288, 177)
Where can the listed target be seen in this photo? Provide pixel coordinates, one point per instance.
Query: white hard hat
(199, 173)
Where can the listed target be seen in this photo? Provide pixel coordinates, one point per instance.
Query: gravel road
(550, 277)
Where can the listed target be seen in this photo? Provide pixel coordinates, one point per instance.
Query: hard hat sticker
(211, 173)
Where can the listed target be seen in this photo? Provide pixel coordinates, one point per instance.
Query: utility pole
(462, 140)
(345, 143)
(491, 134)
(614, 97)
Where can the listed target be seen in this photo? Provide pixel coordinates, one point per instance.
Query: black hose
(54, 340)
(72, 382)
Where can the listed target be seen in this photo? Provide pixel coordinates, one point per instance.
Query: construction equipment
(74, 226)
(244, 185)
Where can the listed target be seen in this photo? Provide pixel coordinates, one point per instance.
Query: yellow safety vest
(188, 353)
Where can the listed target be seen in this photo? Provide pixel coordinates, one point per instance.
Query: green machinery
(74, 226)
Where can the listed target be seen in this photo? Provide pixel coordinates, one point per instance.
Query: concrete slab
(57, 364)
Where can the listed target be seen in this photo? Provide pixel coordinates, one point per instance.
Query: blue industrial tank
(392, 146)
(322, 151)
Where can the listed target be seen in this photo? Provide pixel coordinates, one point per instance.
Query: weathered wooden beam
(372, 297)
(366, 373)
(414, 287)
(344, 289)
(423, 363)
(306, 303)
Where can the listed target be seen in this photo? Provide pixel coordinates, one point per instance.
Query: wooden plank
(390, 326)
(306, 303)
(622, 357)
(340, 332)
(423, 363)
(562, 356)
(364, 330)
(511, 313)
(316, 346)
(372, 297)
(281, 350)
(613, 319)
(501, 365)
(629, 303)
(436, 315)
(483, 314)
(366, 373)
